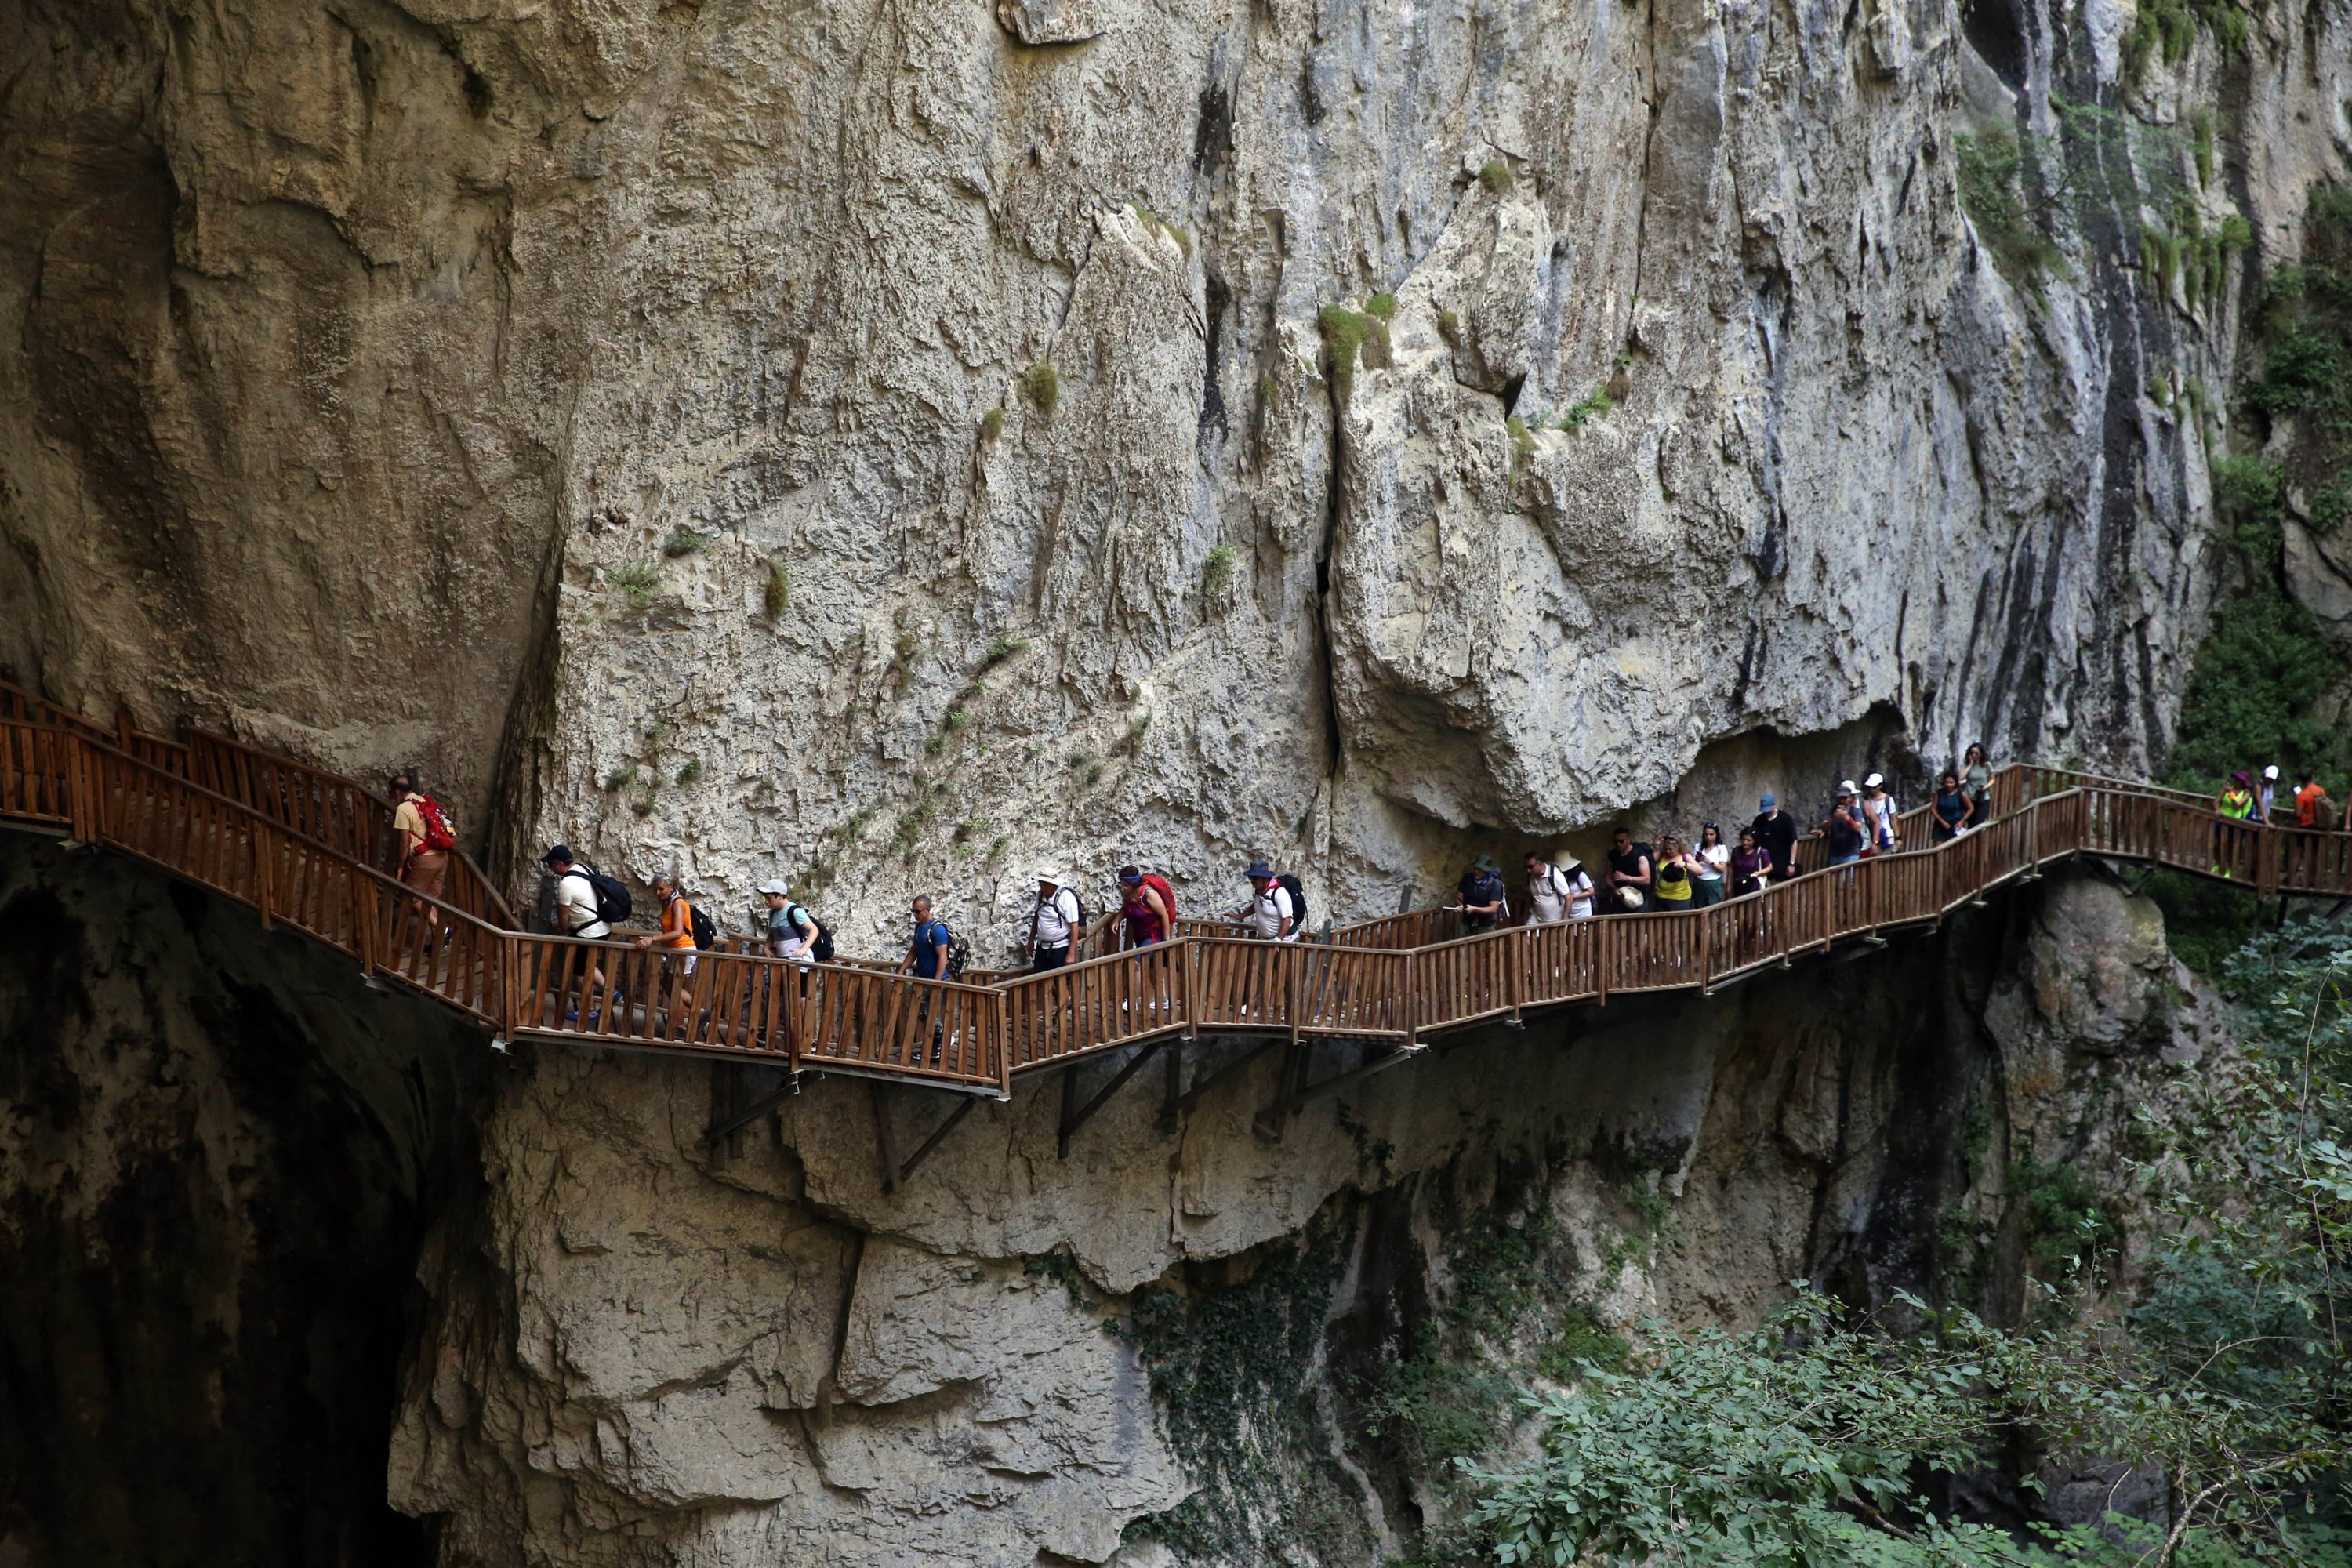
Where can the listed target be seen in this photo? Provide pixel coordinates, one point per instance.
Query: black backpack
(819, 945)
(959, 955)
(1289, 883)
(613, 902)
(706, 935)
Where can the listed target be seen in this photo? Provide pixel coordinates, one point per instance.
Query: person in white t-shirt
(1556, 893)
(575, 914)
(1053, 923)
(1269, 914)
(1708, 863)
(1878, 812)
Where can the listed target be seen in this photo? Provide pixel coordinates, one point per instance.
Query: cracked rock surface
(895, 444)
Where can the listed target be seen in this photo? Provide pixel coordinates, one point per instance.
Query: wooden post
(259, 838)
(1602, 942)
(76, 774)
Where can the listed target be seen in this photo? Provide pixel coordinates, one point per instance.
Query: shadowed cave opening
(208, 1231)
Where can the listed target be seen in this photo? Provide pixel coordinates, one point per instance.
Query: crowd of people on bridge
(1671, 871)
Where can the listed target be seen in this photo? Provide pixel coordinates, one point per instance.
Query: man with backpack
(1484, 902)
(1555, 894)
(1272, 914)
(585, 907)
(1055, 921)
(927, 950)
(423, 841)
(680, 948)
(792, 932)
(1844, 831)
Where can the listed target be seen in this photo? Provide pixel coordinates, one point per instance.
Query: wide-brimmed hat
(1629, 897)
(1053, 877)
(776, 885)
(1486, 863)
(1259, 869)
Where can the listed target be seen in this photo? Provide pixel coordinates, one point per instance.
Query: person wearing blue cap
(1776, 835)
(1269, 913)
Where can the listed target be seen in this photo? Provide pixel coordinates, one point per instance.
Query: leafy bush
(1217, 570)
(1382, 306)
(776, 594)
(637, 581)
(1345, 333)
(1042, 384)
(1992, 193)
(1495, 175)
(2249, 694)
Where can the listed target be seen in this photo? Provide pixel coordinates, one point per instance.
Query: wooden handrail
(1358, 982)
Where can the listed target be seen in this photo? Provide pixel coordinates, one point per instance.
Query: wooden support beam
(744, 1116)
(1375, 1061)
(1073, 1120)
(1191, 1096)
(947, 1125)
(884, 1140)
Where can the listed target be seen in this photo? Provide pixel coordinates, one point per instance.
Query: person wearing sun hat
(1843, 830)
(1878, 809)
(1269, 913)
(1053, 922)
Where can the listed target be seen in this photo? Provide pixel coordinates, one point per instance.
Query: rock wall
(901, 442)
(218, 1154)
(663, 1351)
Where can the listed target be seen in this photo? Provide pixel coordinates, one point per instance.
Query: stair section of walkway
(301, 846)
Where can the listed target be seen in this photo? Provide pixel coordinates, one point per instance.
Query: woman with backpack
(1147, 910)
(679, 949)
(424, 841)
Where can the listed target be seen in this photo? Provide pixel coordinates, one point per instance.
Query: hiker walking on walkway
(1147, 909)
(422, 840)
(1950, 809)
(1055, 921)
(792, 932)
(2311, 806)
(2266, 794)
(1485, 901)
(1632, 873)
(1751, 866)
(2235, 803)
(1556, 893)
(1672, 886)
(678, 949)
(1878, 811)
(1776, 834)
(1270, 914)
(1708, 863)
(1843, 830)
(927, 950)
(1976, 774)
(578, 912)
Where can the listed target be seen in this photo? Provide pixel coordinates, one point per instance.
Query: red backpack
(437, 837)
(1158, 884)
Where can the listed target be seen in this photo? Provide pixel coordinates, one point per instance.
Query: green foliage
(1495, 175)
(1345, 333)
(2205, 922)
(1449, 327)
(2200, 125)
(2168, 28)
(1005, 647)
(690, 773)
(776, 594)
(1523, 444)
(1217, 570)
(2246, 484)
(1153, 223)
(992, 425)
(1042, 384)
(637, 581)
(2066, 1226)
(2305, 383)
(1583, 1343)
(1591, 406)
(620, 777)
(1382, 306)
(1230, 1371)
(2251, 691)
(684, 542)
(1992, 193)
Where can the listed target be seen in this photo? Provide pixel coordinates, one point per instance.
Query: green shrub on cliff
(1992, 193)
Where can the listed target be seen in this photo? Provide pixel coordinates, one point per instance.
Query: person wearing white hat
(792, 932)
(2266, 793)
(1844, 827)
(1879, 807)
(1054, 921)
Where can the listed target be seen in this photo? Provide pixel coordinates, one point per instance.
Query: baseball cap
(1873, 781)
(775, 885)
(1845, 786)
(1769, 802)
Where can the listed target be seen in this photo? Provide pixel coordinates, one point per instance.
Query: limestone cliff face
(641, 414)
(660, 1351)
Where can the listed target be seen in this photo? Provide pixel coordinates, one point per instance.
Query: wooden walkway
(301, 846)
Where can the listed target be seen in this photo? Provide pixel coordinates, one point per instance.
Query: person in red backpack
(1147, 912)
(420, 833)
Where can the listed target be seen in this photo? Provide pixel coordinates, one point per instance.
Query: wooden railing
(303, 860)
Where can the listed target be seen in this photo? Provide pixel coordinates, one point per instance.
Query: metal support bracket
(896, 1171)
(1190, 1098)
(1377, 1062)
(736, 1121)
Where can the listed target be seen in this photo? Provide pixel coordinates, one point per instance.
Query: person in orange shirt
(676, 944)
(2311, 806)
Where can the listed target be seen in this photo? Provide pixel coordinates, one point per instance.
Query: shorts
(1706, 891)
(427, 872)
(680, 961)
